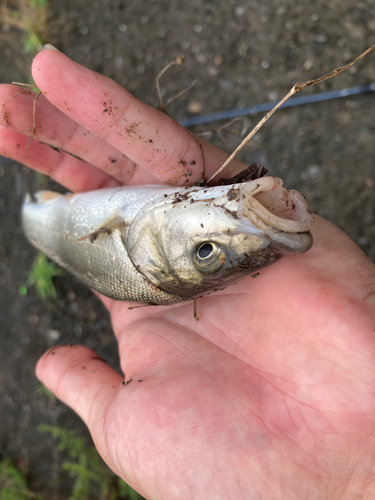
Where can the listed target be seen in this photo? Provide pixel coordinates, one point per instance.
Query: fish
(162, 245)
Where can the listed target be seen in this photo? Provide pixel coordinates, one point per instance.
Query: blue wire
(263, 108)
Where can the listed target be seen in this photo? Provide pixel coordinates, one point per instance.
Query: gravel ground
(240, 53)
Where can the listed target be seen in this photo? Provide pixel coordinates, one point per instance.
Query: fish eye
(209, 257)
(205, 250)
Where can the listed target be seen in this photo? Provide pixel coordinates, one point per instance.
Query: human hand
(270, 394)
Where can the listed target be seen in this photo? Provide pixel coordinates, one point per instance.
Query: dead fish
(163, 245)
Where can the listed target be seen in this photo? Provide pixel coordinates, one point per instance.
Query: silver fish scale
(125, 283)
(59, 242)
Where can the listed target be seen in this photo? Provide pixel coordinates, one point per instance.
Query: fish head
(200, 240)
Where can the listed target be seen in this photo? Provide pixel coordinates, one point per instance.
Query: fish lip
(292, 243)
(271, 207)
(279, 216)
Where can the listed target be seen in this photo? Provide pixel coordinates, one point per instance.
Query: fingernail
(49, 46)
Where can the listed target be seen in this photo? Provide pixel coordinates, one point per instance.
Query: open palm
(271, 394)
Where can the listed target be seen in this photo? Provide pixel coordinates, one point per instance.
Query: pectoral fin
(44, 197)
(107, 228)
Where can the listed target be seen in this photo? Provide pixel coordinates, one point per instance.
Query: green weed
(41, 276)
(40, 178)
(13, 483)
(30, 17)
(87, 468)
(42, 390)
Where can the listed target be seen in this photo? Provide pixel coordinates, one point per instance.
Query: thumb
(81, 379)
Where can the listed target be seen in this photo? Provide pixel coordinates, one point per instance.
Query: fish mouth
(267, 201)
(283, 215)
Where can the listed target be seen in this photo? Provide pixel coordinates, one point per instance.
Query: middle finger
(148, 137)
(54, 128)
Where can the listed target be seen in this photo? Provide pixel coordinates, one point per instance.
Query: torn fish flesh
(163, 245)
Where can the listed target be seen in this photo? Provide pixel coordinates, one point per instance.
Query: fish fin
(107, 228)
(46, 196)
(40, 197)
(152, 286)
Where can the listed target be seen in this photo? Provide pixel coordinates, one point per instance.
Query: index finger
(147, 136)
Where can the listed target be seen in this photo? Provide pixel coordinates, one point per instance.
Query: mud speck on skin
(178, 197)
(233, 194)
(127, 382)
(131, 129)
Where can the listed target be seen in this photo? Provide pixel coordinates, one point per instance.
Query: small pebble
(363, 240)
(308, 64)
(370, 183)
(119, 62)
(194, 107)
(273, 95)
(77, 330)
(313, 170)
(320, 38)
(71, 295)
(212, 70)
(201, 58)
(92, 316)
(53, 335)
(225, 84)
(73, 307)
